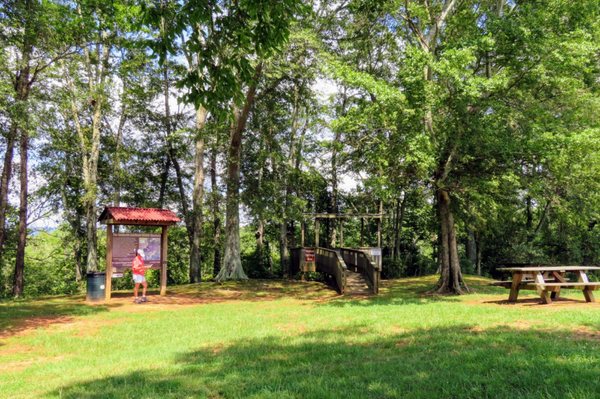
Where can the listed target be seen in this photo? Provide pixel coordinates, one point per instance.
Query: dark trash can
(95, 286)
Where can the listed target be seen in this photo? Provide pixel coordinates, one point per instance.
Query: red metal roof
(133, 216)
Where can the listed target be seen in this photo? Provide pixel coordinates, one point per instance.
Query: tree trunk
(167, 120)
(284, 254)
(232, 262)
(18, 278)
(216, 212)
(117, 171)
(163, 181)
(90, 182)
(197, 198)
(260, 228)
(400, 209)
(471, 247)
(451, 281)
(334, 190)
(97, 71)
(478, 256)
(19, 127)
(77, 258)
(6, 175)
(184, 203)
(529, 213)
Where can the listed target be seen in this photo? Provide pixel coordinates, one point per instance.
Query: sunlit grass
(271, 339)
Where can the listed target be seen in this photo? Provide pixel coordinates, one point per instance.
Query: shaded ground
(453, 362)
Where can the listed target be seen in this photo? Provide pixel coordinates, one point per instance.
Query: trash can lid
(92, 274)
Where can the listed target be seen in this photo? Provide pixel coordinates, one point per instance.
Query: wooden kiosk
(120, 256)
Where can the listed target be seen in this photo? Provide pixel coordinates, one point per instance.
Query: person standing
(139, 276)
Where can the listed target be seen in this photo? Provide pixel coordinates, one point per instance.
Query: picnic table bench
(548, 281)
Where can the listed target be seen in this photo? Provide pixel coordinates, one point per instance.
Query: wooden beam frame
(108, 274)
(109, 252)
(163, 259)
(343, 215)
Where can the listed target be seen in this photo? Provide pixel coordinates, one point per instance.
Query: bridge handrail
(330, 261)
(363, 264)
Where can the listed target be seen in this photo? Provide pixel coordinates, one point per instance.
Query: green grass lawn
(263, 339)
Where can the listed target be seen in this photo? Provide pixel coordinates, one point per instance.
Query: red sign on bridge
(309, 255)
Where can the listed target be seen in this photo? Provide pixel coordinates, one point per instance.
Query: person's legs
(144, 286)
(135, 289)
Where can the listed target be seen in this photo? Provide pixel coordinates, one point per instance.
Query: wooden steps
(356, 284)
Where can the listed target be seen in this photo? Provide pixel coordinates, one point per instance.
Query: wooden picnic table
(548, 281)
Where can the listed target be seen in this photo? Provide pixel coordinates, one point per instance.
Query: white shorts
(138, 278)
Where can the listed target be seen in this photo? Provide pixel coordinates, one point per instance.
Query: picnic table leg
(589, 295)
(561, 279)
(514, 288)
(544, 294)
(546, 297)
(587, 292)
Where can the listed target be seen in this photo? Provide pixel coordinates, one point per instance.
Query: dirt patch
(25, 326)
(586, 334)
(174, 300)
(24, 364)
(16, 349)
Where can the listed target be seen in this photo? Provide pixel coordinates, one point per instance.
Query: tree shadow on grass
(255, 290)
(395, 292)
(414, 291)
(16, 317)
(453, 362)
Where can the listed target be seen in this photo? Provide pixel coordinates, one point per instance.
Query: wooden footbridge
(354, 271)
(349, 271)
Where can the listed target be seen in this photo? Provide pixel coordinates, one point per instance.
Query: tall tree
(88, 102)
(226, 38)
(36, 35)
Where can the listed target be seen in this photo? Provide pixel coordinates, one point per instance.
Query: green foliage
(49, 266)
(226, 40)
(392, 268)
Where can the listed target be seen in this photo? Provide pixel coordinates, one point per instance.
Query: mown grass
(299, 340)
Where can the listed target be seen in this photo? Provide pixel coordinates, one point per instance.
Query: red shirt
(138, 266)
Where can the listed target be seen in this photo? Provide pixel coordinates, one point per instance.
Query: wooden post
(341, 233)
(109, 267)
(317, 226)
(379, 223)
(542, 289)
(514, 287)
(587, 292)
(362, 232)
(163, 260)
(379, 233)
(302, 231)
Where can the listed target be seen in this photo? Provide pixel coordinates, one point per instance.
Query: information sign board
(125, 246)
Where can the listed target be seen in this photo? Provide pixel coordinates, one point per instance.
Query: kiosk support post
(108, 282)
(163, 260)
